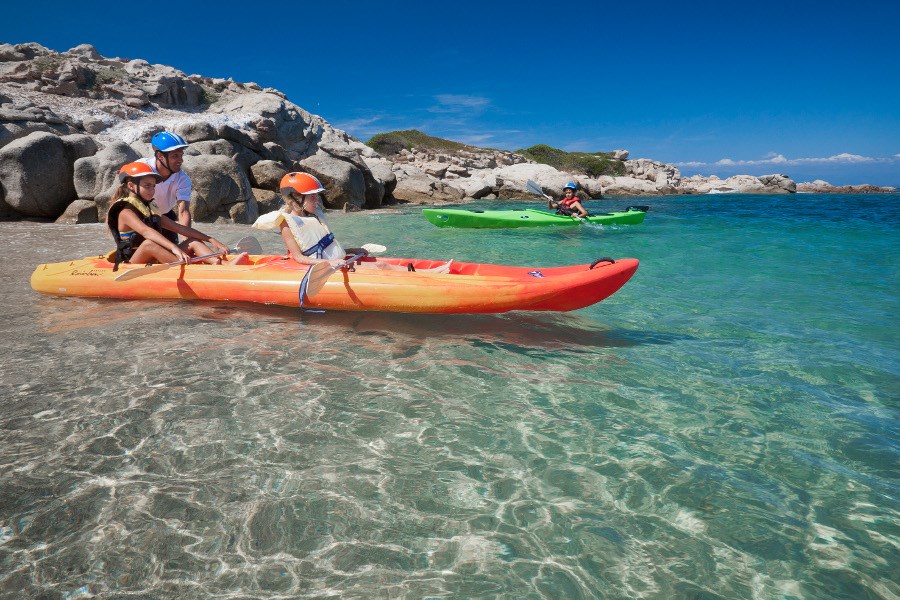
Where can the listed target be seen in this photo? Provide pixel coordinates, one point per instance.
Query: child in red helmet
(569, 204)
(138, 232)
(305, 231)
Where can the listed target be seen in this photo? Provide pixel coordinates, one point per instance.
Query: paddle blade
(248, 244)
(533, 187)
(315, 279)
(373, 248)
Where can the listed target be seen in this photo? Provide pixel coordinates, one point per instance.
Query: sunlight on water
(725, 426)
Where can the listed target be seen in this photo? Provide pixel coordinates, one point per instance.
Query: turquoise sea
(724, 426)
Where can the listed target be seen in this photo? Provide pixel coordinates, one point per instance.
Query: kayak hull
(468, 288)
(505, 219)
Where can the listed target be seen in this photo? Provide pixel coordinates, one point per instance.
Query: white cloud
(456, 103)
(360, 124)
(778, 159)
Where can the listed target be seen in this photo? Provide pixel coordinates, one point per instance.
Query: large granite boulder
(344, 182)
(414, 185)
(80, 211)
(94, 175)
(221, 190)
(267, 175)
(382, 170)
(36, 173)
(244, 157)
(627, 186)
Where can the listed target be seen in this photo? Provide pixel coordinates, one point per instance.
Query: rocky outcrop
(823, 187)
(119, 104)
(70, 120)
(740, 184)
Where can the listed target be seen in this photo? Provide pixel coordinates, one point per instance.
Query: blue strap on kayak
(320, 246)
(304, 283)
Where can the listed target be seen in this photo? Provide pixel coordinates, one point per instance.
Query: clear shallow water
(725, 426)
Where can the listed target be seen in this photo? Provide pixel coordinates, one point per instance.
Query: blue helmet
(166, 142)
(571, 186)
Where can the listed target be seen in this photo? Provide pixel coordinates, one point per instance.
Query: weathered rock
(267, 175)
(244, 138)
(344, 182)
(85, 50)
(241, 155)
(823, 187)
(267, 200)
(93, 125)
(414, 185)
(96, 174)
(218, 184)
(78, 146)
(626, 186)
(9, 53)
(382, 171)
(475, 187)
(778, 182)
(80, 211)
(36, 175)
(196, 131)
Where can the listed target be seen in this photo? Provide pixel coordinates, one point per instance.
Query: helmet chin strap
(164, 161)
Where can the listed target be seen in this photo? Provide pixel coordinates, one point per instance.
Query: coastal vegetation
(393, 142)
(592, 164)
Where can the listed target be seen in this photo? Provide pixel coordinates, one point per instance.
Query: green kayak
(526, 217)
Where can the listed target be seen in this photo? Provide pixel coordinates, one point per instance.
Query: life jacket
(311, 233)
(127, 243)
(564, 206)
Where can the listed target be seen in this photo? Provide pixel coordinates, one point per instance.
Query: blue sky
(800, 88)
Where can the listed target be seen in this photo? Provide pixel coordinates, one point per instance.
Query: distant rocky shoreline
(69, 120)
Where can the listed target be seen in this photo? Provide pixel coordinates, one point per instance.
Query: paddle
(248, 244)
(533, 187)
(317, 275)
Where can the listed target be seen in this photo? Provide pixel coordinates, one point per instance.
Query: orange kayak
(467, 288)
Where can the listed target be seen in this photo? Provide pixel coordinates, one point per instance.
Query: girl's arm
(190, 232)
(581, 211)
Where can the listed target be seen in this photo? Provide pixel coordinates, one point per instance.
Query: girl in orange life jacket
(569, 204)
(137, 231)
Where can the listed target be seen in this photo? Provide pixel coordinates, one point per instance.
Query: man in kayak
(173, 192)
(569, 204)
(304, 230)
(138, 231)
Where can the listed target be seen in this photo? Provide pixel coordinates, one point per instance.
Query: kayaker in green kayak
(569, 204)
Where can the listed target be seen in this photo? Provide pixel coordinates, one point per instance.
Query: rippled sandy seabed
(687, 438)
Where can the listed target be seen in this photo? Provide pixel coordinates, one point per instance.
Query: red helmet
(300, 183)
(136, 170)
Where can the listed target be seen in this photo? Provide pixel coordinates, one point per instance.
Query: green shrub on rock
(393, 142)
(592, 164)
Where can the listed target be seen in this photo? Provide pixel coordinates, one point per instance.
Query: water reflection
(549, 331)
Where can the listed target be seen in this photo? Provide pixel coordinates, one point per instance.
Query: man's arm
(183, 199)
(183, 212)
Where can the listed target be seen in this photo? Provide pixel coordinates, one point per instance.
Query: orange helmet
(300, 183)
(136, 170)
